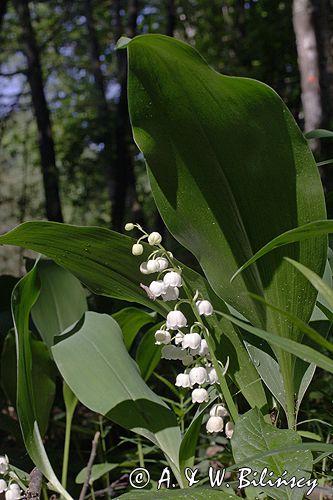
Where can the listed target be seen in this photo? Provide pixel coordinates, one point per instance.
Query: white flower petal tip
(204, 307)
(172, 279)
(183, 380)
(229, 429)
(191, 340)
(212, 375)
(214, 424)
(4, 464)
(200, 396)
(162, 337)
(137, 249)
(154, 238)
(218, 411)
(198, 375)
(175, 319)
(157, 288)
(202, 350)
(170, 294)
(179, 338)
(162, 263)
(153, 266)
(3, 485)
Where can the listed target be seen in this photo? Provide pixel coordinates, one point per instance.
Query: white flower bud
(171, 293)
(218, 411)
(162, 337)
(152, 266)
(172, 279)
(200, 396)
(187, 359)
(204, 307)
(129, 226)
(198, 375)
(212, 375)
(175, 319)
(183, 380)
(214, 424)
(4, 464)
(172, 352)
(137, 249)
(3, 485)
(157, 288)
(192, 340)
(154, 238)
(179, 338)
(229, 429)
(163, 263)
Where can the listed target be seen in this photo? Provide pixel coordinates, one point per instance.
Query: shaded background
(67, 152)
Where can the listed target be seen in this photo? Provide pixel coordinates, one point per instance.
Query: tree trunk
(45, 138)
(124, 174)
(308, 61)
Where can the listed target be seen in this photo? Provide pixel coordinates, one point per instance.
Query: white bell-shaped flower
(204, 307)
(157, 288)
(172, 279)
(214, 424)
(143, 268)
(152, 266)
(13, 492)
(200, 396)
(179, 338)
(218, 411)
(162, 263)
(212, 375)
(191, 340)
(183, 380)
(162, 337)
(3, 485)
(198, 375)
(229, 429)
(171, 293)
(172, 352)
(137, 249)
(4, 463)
(154, 238)
(187, 360)
(175, 319)
(201, 350)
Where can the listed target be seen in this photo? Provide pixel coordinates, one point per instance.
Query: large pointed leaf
(62, 301)
(24, 296)
(252, 435)
(102, 259)
(111, 384)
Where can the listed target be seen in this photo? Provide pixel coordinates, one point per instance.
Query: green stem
(70, 404)
(140, 453)
(103, 446)
(286, 367)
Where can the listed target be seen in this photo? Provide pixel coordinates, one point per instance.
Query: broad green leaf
(148, 354)
(252, 434)
(102, 259)
(97, 471)
(189, 494)
(297, 349)
(24, 297)
(224, 182)
(319, 133)
(131, 320)
(269, 371)
(61, 302)
(111, 385)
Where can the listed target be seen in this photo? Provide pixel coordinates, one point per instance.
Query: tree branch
(90, 464)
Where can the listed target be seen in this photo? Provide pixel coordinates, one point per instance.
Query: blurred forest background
(67, 153)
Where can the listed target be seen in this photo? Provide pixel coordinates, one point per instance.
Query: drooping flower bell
(137, 249)
(214, 424)
(152, 266)
(4, 464)
(204, 307)
(3, 485)
(212, 375)
(13, 492)
(162, 263)
(200, 396)
(198, 375)
(201, 350)
(157, 288)
(191, 340)
(162, 337)
(172, 279)
(229, 429)
(183, 380)
(179, 338)
(154, 238)
(171, 293)
(175, 320)
(218, 411)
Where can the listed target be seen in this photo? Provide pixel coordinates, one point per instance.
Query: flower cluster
(11, 490)
(179, 341)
